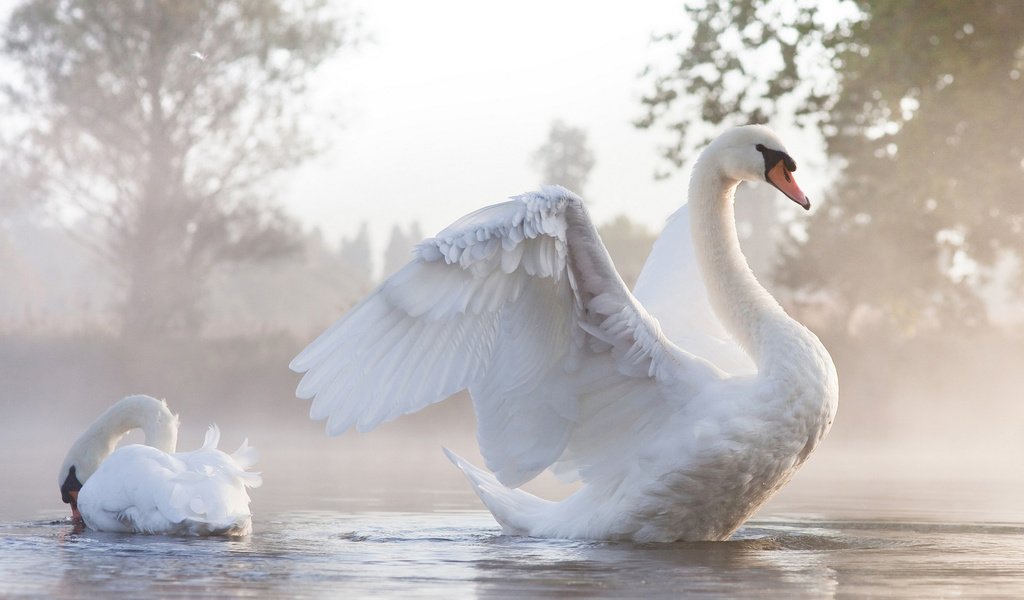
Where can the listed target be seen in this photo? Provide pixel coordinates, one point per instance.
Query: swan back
(143, 490)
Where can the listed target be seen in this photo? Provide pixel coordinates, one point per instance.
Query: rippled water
(342, 518)
(462, 554)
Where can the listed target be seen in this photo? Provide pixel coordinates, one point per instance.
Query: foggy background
(191, 191)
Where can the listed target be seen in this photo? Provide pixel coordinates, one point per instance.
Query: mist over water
(385, 513)
(366, 519)
(915, 493)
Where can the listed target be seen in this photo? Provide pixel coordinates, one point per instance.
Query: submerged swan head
(755, 153)
(99, 440)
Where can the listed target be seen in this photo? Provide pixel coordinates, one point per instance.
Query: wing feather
(520, 303)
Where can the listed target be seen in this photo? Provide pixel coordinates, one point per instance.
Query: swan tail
(515, 510)
(212, 438)
(245, 457)
(237, 463)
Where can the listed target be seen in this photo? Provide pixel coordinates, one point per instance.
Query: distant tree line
(159, 128)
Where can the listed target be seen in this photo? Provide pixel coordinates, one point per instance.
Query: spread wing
(520, 303)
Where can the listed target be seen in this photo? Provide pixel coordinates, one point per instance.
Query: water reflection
(759, 560)
(462, 554)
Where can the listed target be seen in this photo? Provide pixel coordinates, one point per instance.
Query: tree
(291, 293)
(565, 158)
(400, 247)
(355, 254)
(628, 243)
(920, 103)
(163, 125)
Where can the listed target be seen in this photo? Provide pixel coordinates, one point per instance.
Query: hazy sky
(443, 111)
(440, 112)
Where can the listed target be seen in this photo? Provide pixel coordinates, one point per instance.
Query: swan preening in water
(681, 407)
(151, 488)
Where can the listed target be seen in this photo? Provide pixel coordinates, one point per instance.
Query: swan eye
(773, 157)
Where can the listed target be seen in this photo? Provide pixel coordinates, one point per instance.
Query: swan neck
(152, 416)
(745, 308)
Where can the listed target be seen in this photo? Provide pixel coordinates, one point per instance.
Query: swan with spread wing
(681, 407)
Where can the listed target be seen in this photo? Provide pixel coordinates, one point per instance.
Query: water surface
(354, 517)
(461, 553)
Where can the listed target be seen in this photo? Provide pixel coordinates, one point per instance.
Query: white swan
(675, 437)
(150, 488)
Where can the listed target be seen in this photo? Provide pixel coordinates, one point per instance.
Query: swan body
(681, 408)
(151, 488)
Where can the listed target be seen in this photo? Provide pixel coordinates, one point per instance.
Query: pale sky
(443, 111)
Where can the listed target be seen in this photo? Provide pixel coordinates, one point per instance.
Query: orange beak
(782, 178)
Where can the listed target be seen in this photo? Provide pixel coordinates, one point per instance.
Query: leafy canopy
(918, 102)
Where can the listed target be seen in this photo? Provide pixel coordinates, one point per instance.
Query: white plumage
(678, 436)
(151, 488)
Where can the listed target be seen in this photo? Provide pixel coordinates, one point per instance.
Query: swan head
(79, 464)
(96, 443)
(755, 153)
